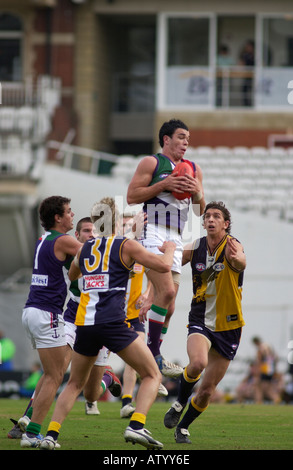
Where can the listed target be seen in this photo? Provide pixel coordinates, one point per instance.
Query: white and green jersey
(164, 209)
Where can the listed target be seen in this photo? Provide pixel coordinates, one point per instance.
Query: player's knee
(196, 367)
(157, 376)
(152, 376)
(53, 379)
(169, 295)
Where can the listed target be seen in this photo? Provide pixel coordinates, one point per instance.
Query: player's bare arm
(196, 189)
(139, 190)
(133, 251)
(235, 254)
(74, 271)
(66, 245)
(187, 252)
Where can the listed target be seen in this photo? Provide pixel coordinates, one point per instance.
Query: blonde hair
(105, 215)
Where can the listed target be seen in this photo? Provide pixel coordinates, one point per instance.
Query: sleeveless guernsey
(164, 209)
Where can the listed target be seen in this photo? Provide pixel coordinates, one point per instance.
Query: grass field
(221, 427)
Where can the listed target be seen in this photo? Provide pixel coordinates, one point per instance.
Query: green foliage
(220, 427)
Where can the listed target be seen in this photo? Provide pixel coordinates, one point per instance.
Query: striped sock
(33, 429)
(107, 380)
(126, 399)
(186, 385)
(156, 320)
(191, 414)
(54, 430)
(137, 421)
(163, 334)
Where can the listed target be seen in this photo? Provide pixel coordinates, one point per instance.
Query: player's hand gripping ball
(183, 168)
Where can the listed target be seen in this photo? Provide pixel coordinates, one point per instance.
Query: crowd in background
(263, 382)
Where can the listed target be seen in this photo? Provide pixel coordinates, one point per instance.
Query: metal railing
(235, 86)
(81, 158)
(45, 91)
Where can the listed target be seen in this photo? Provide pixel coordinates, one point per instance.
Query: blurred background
(85, 87)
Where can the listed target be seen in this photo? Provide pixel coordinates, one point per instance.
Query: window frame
(15, 34)
(162, 66)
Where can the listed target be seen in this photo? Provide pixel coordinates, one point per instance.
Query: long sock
(156, 321)
(28, 411)
(126, 399)
(191, 414)
(104, 388)
(54, 430)
(186, 385)
(162, 336)
(137, 421)
(107, 380)
(33, 429)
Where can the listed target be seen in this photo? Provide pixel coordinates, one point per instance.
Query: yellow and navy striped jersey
(134, 290)
(217, 288)
(105, 278)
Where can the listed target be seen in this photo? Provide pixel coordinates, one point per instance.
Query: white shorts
(156, 235)
(45, 329)
(70, 333)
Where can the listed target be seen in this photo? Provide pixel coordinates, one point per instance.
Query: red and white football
(183, 168)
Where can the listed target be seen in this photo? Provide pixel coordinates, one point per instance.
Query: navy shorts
(115, 336)
(224, 342)
(136, 325)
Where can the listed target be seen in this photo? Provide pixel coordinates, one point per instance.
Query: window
(188, 40)
(254, 69)
(235, 61)
(10, 48)
(188, 55)
(278, 42)
(276, 68)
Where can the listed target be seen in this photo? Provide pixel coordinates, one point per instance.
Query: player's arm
(197, 192)
(144, 297)
(66, 245)
(235, 254)
(74, 271)
(139, 190)
(187, 252)
(133, 251)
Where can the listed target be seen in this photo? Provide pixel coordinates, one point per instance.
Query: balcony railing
(45, 92)
(206, 87)
(235, 86)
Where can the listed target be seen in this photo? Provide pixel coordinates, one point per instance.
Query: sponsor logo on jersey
(200, 266)
(96, 281)
(39, 280)
(218, 267)
(137, 268)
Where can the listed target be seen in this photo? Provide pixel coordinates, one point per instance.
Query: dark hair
(220, 206)
(256, 340)
(50, 207)
(168, 128)
(82, 221)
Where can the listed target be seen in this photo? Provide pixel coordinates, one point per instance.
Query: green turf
(221, 427)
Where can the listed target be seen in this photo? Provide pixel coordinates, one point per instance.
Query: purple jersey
(105, 279)
(49, 284)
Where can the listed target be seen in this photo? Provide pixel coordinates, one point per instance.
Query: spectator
(29, 385)
(266, 362)
(247, 60)
(224, 58)
(7, 352)
(246, 388)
